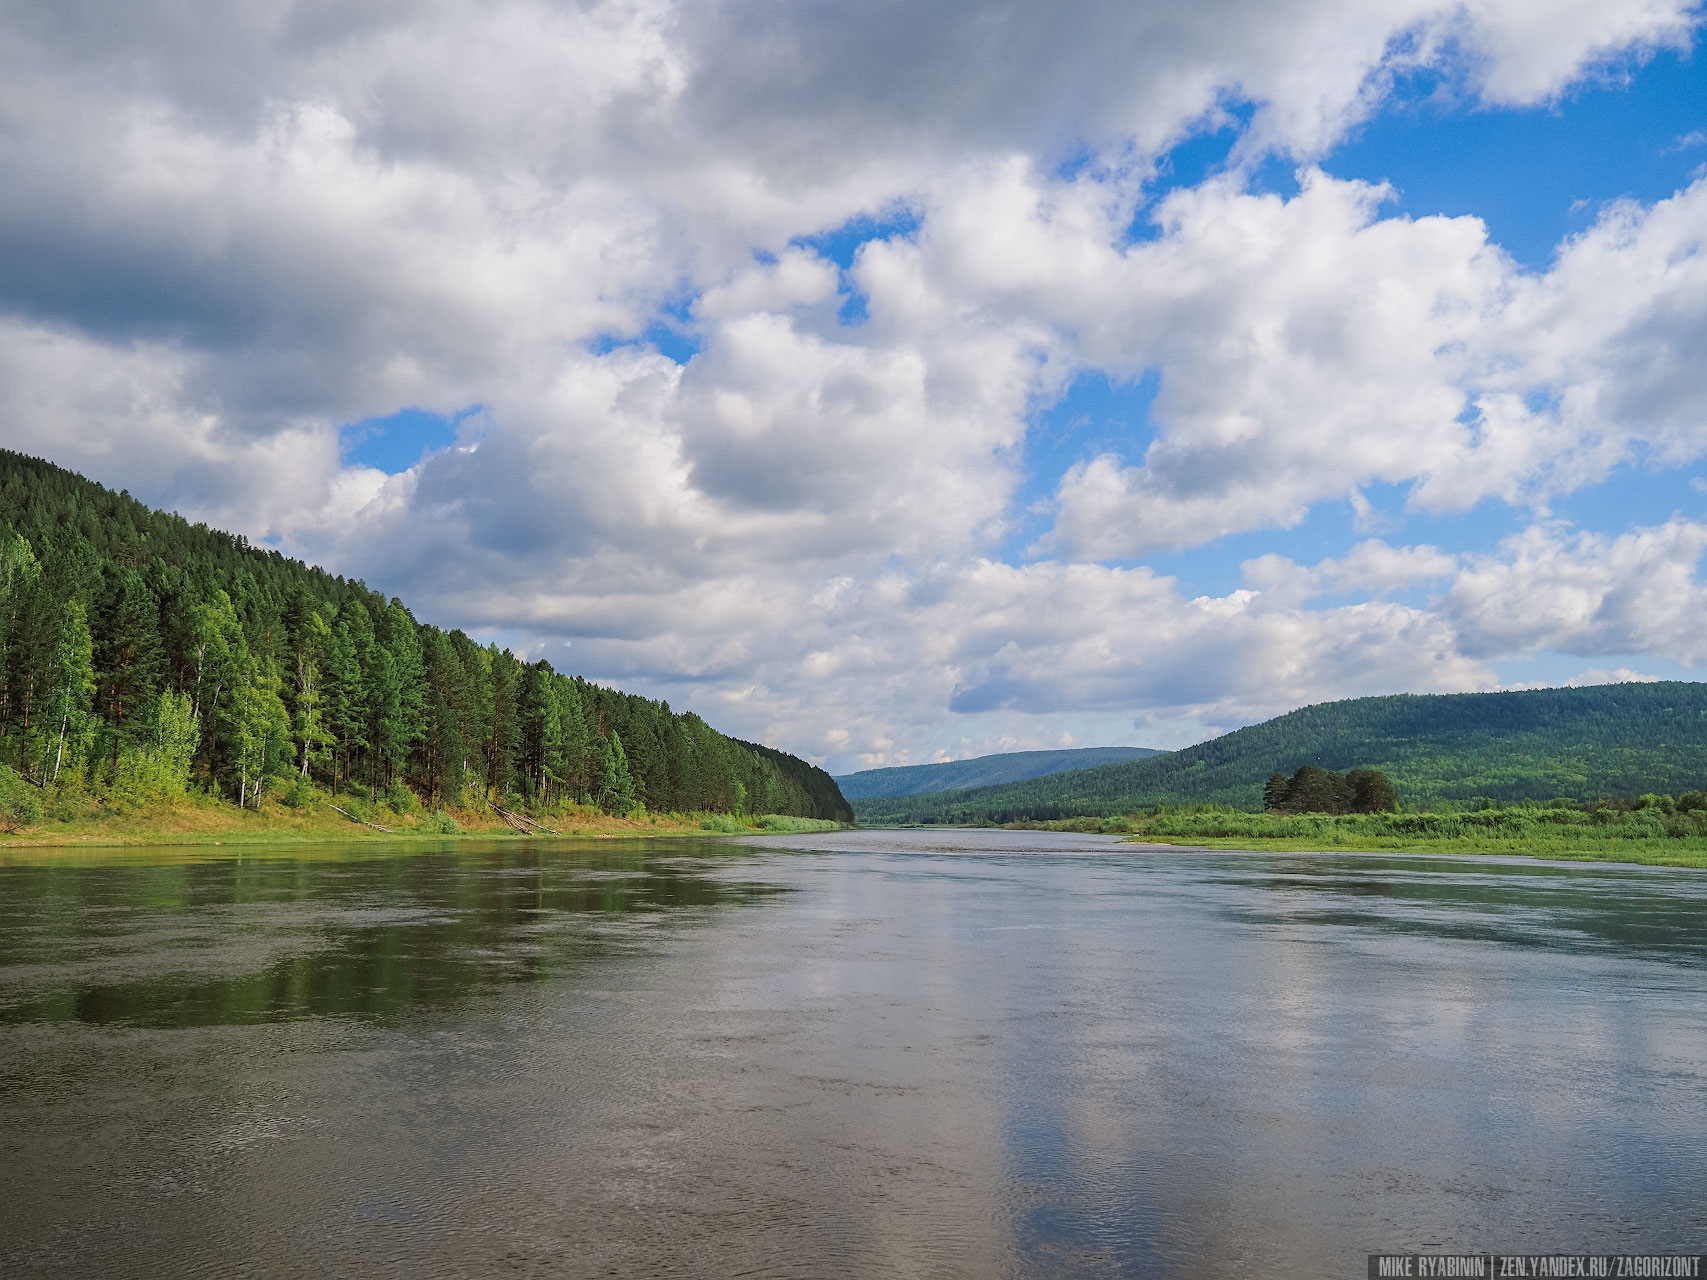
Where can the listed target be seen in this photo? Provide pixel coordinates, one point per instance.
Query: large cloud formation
(225, 234)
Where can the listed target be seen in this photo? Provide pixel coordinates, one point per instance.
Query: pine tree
(1372, 791)
(129, 654)
(342, 676)
(504, 732)
(19, 575)
(572, 722)
(616, 784)
(399, 722)
(444, 749)
(541, 718)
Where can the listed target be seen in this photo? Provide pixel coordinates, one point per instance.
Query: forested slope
(1582, 744)
(980, 771)
(142, 653)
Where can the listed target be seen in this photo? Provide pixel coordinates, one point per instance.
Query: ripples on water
(877, 1053)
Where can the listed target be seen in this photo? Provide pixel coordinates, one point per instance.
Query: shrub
(722, 822)
(402, 798)
(440, 823)
(299, 792)
(20, 803)
(789, 823)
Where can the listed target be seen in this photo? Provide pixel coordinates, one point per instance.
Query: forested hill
(980, 771)
(139, 651)
(1583, 744)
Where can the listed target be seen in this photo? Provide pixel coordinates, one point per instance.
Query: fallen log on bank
(527, 826)
(352, 817)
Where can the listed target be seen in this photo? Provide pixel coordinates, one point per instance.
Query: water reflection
(939, 1053)
(1623, 911)
(192, 941)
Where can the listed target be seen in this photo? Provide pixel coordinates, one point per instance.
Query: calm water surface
(874, 1053)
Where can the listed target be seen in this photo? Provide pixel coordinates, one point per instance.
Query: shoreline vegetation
(1653, 831)
(318, 817)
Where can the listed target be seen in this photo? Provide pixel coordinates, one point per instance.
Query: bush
(20, 803)
(723, 823)
(402, 798)
(440, 823)
(299, 792)
(795, 826)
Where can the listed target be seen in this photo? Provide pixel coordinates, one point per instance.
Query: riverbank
(201, 820)
(1643, 836)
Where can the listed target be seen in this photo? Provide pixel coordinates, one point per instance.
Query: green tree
(396, 701)
(218, 647)
(129, 653)
(573, 737)
(616, 784)
(1317, 790)
(504, 733)
(1372, 791)
(157, 764)
(308, 723)
(541, 717)
(26, 619)
(257, 725)
(342, 672)
(444, 749)
(71, 691)
(20, 803)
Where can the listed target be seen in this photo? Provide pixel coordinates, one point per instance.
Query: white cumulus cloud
(227, 232)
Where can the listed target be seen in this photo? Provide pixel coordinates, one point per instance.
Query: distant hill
(980, 771)
(1605, 740)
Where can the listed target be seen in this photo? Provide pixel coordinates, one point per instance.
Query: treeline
(1439, 749)
(1313, 790)
(142, 654)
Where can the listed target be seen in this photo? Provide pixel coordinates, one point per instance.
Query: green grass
(1604, 835)
(304, 814)
(796, 826)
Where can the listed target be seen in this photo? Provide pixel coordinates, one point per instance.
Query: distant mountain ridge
(1581, 744)
(980, 771)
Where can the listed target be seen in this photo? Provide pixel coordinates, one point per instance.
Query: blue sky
(889, 403)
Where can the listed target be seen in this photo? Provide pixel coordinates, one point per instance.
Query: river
(955, 1053)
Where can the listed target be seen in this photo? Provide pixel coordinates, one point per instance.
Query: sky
(895, 382)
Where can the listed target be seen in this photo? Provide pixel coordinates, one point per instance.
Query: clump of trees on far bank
(1315, 790)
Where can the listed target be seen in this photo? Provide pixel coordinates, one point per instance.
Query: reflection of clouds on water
(906, 1057)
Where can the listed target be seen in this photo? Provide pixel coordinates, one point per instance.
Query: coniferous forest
(141, 656)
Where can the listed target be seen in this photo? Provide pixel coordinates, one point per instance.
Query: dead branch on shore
(352, 817)
(527, 826)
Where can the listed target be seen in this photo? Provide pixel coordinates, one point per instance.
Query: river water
(965, 1053)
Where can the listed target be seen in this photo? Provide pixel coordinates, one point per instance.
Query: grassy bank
(1605, 835)
(201, 820)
